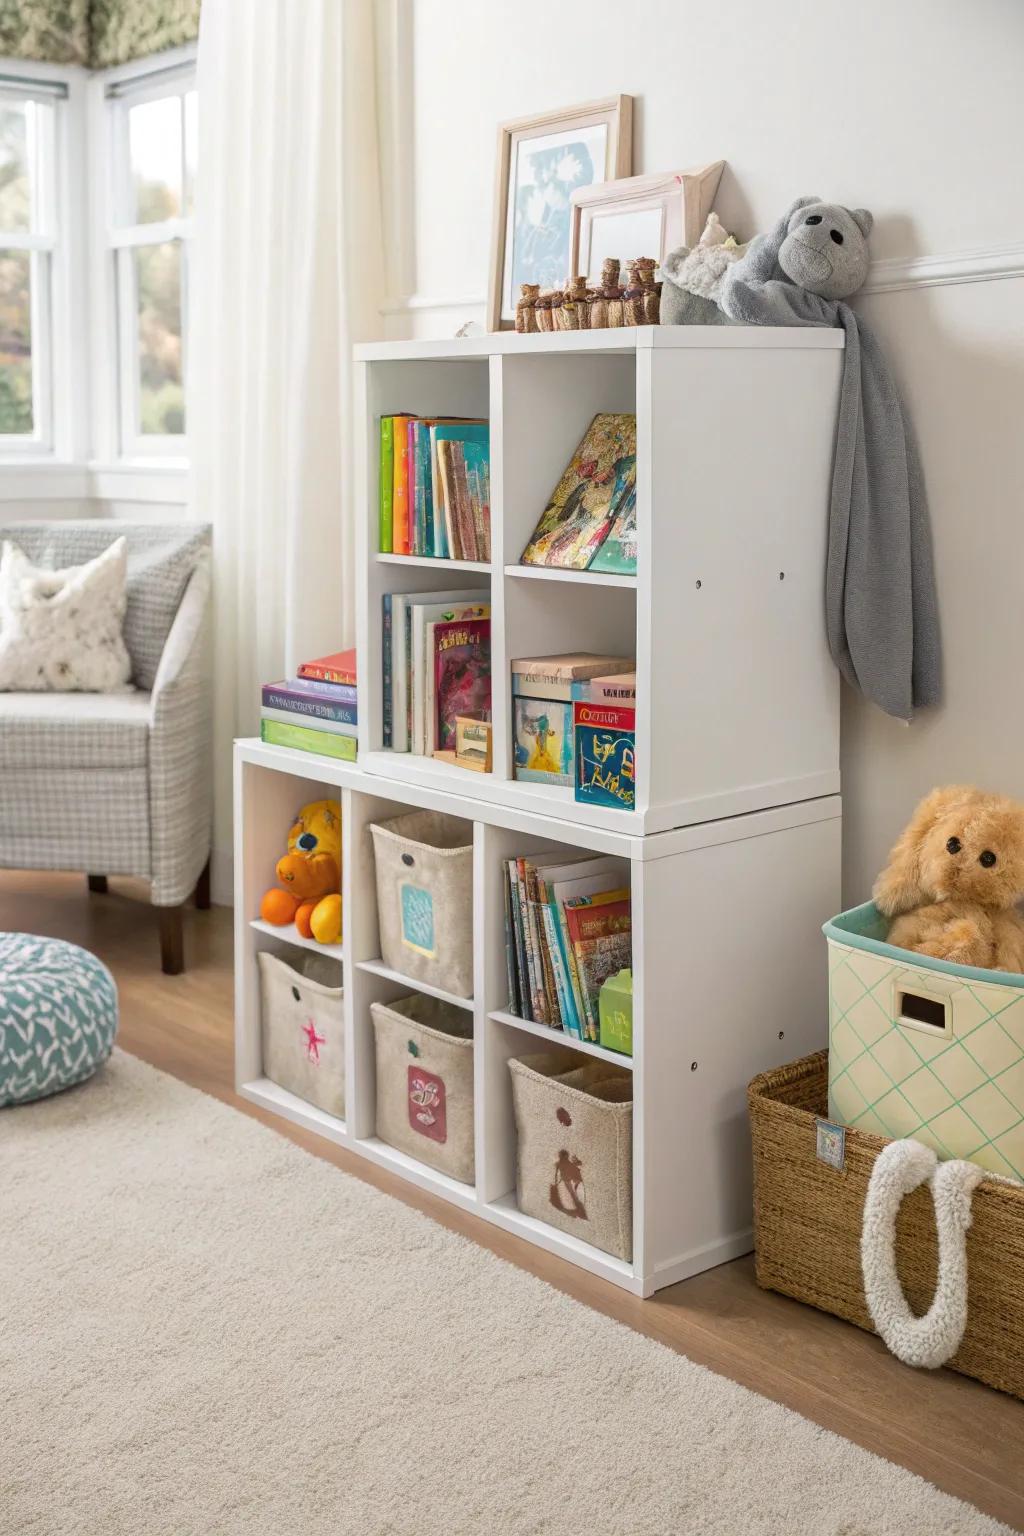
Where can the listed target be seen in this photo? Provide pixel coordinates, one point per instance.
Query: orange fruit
(302, 917)
(278, 907)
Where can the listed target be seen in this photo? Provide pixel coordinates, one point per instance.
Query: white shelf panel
(291, 936)
(416, 1172)
(584, 578)
(555, 800)
(505, 1212)
(434, 563)
(627, 338)
(299, 1111)
(559, 1037)
(378, 968)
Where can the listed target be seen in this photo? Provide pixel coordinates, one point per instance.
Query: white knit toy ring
(903, 1165)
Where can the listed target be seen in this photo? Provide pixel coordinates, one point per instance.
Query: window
(28, 244)
(152, 173)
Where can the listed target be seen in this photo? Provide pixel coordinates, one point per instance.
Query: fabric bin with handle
(425, 1082)
(924, 1048)
(424, 863)
(303, 1030)
(808, 1215)
(574, 1158)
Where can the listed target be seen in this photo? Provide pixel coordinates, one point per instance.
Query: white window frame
(58, 317)
(127, 460)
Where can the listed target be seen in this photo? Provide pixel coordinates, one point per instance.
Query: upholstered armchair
(121, 783)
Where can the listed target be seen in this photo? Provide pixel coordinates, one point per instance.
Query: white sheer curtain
(287, 257)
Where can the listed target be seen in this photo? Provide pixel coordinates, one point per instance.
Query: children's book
(299, 700)
(618, 552)
(387, 483)
(305, 739)
(442, 606)
(511, 968)
(590, 878)
(387, 679)
(332, 727)
(400, 492)
(553, 677)
(600, 933)
(472, 439)
(399, 696)
(618, 689)
(605, 755)
(339, 668)
(543, 744)
(462, 675)
(588, 498)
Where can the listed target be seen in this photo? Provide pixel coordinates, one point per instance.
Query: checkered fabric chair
(121, 784)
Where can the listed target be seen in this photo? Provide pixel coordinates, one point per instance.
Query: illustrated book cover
(462, 675)
(605, 737)
(588, 498)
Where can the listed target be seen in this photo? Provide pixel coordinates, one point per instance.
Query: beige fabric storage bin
(425, 898)
(574, 1161)
(425, 1082)
(303, 1030)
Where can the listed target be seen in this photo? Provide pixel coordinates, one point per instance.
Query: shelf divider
(378, 968)
(559, 1037)
(290, 935)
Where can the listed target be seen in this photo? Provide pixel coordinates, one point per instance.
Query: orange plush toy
(309, 894)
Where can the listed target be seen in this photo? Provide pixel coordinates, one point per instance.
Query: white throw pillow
(60, 631)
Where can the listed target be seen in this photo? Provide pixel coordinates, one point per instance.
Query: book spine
(400, 501)
(319, 674)
(386, 670)
(275, 734)
(522, 983)
(510, 967)
(463, 506)
(447, 495)
(387, 482)
(316, 709)
(536, 1013)
(605, 717)
(311, 688)
(410, 451)
(555, 958)
(574, 975)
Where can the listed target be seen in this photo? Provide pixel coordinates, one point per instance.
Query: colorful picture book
(567, 928)
(435, 488)
(334, 702)
(605, 755)
(302, 738)
(338, 668)
(418, 699)
(594, 491)
(544, 689)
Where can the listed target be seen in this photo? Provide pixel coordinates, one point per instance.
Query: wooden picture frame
(645, 215)
(584, 130)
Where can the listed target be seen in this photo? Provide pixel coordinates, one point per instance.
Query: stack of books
(315, 711)
(436, 666)
(567, 930)
(546, 690)
(435, 488)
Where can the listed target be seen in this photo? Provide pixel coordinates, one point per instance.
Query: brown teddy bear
(953, 879)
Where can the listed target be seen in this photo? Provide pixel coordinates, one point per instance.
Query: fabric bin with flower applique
(425, 1082)
(303, 1029)
(574, 1157)
(424, 864)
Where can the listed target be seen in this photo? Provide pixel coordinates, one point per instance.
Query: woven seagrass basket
(807, 1224)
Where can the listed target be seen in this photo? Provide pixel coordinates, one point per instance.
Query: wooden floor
(957, 1434)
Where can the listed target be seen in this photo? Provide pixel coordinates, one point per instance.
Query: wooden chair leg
(203, 889)
(97, 884)
(172, 941)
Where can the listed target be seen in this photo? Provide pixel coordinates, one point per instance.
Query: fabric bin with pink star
(303, 1029)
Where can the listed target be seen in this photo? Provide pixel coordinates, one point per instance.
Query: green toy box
(615, 1008)
(919, 1047)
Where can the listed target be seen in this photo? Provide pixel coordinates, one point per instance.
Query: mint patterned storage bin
(922, 1048)
(58, 1016)
(424, 863)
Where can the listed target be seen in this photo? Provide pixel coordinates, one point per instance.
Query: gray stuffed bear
(880, 603)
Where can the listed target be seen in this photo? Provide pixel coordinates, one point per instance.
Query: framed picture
(639, 216)
(542, 161)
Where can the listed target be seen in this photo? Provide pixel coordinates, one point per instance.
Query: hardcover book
(303, 739)
(589, 497)
(285, 696)
(462, 675)
(556, 675)
(387, 482)
(543, 742)
(400, 490)
(339, 668)
(600, 932)
(317, 723)
(605, 755)
(618, 552)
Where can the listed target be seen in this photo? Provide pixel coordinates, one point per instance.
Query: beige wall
(912, 109)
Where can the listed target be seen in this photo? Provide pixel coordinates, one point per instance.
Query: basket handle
(901, 1166)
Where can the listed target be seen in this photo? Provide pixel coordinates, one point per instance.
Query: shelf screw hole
(782, 575)
(693, 1066)
(697, 585)
(782, 1034)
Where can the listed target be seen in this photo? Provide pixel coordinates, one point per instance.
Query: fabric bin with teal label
(923, 1048)
(424, 867)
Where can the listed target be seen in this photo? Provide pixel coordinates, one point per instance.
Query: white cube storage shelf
(734, 844)
(737, 699)
(729, 980)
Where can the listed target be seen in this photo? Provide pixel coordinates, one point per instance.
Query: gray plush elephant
(880, 603)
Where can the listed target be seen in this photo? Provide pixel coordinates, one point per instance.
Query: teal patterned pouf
(58, 1016)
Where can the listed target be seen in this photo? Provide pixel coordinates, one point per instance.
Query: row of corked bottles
(582, 307)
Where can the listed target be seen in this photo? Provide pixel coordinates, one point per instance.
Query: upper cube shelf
(737, 698)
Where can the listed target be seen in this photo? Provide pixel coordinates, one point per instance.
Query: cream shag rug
(205, 1330)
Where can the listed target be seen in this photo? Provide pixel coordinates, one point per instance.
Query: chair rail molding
(890, 275)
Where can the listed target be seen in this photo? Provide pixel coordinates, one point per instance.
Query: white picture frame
(538, 159)
(639, 216)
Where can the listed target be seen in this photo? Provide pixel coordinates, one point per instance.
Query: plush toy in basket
(309, 892)
(953, 879)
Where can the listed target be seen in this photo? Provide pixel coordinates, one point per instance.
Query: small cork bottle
(651, 290)
(526, 318)
(600, 317)
(542, 310)
(633, 297)
(576, 306)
